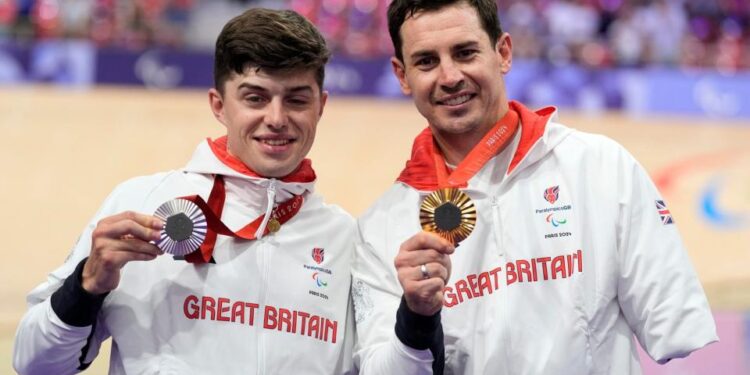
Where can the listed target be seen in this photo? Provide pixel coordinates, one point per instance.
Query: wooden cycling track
(62, 151)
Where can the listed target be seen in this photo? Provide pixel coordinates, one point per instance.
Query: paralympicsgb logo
(318, 254)
(551, 194)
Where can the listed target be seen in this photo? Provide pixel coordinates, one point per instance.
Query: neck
(455, 147)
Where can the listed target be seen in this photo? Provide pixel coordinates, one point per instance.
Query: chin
(461, 126)
(272, 173)
(280, 172)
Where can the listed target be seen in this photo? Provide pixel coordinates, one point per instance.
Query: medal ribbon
(215, 206)
(492, 142)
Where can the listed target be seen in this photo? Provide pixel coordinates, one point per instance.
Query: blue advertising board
(536, 83)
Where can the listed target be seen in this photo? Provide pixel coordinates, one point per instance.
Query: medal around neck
(449, 213)
(184, 227)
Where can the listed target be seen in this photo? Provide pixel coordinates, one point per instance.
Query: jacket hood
(540, 134)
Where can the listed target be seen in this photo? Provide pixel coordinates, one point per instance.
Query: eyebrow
(423, 53)
(460, 46)
(463, 45)
(295, 89)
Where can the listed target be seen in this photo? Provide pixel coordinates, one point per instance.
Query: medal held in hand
(184, 227)
(449, 213)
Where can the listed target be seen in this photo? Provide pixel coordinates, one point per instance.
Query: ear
(400, 71)
(504, 50)
(216, 102)
(323, 100)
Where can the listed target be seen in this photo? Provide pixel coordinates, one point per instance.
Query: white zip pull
(271, 195)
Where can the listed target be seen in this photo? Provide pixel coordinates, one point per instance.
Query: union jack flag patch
(666, 216)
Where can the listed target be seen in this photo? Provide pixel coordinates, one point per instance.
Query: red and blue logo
(666, 216)
(318, 254)
(551, 194)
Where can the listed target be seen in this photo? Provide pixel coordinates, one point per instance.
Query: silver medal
(184, 227)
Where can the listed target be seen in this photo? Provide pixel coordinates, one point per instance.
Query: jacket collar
(536, 140)
(211, 157)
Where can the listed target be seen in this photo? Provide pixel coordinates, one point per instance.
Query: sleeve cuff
(73, 304)
(414, 330)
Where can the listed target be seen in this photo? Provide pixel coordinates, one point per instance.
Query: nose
(451, 78)
(276, 116)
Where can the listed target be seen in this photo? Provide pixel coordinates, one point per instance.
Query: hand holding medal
(117, 240)
(447, 216)
(423, 262)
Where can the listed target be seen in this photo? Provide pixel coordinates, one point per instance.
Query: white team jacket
(266, 306)
(541, 286)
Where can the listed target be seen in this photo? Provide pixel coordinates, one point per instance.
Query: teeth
(276, 142)
(458, 100)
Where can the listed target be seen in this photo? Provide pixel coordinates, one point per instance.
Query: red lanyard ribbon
(215, 206)
(492, 142)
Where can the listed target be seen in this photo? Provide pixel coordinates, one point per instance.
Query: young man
(572, 249)
(272, 299)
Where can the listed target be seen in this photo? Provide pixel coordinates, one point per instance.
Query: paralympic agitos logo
(556, 222)
(319, 281)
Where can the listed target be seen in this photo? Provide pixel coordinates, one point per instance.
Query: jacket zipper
(497, 234)
(265, 266)
(497, 227)
(271, 202)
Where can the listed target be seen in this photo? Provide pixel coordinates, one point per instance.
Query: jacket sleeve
(390, 338)
(59, 333)
(658, 290)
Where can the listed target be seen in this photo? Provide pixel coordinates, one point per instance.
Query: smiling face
(270, 117)
(454, 74)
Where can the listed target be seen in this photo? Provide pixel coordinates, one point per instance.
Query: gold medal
(449, 213)
(273, 225)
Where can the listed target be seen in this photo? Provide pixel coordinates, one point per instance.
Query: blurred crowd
(599, 33)
(691, 33)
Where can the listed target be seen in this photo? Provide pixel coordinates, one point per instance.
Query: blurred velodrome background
(93, 92)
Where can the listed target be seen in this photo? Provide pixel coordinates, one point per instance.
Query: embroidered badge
(318, 254)
(551, 194)
(362, 301)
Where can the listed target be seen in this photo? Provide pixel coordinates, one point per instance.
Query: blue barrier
(537, 83)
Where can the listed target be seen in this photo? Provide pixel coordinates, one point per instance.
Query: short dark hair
(270, 40)
(400, 10)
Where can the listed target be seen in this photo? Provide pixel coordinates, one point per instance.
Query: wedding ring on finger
(425, 272)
